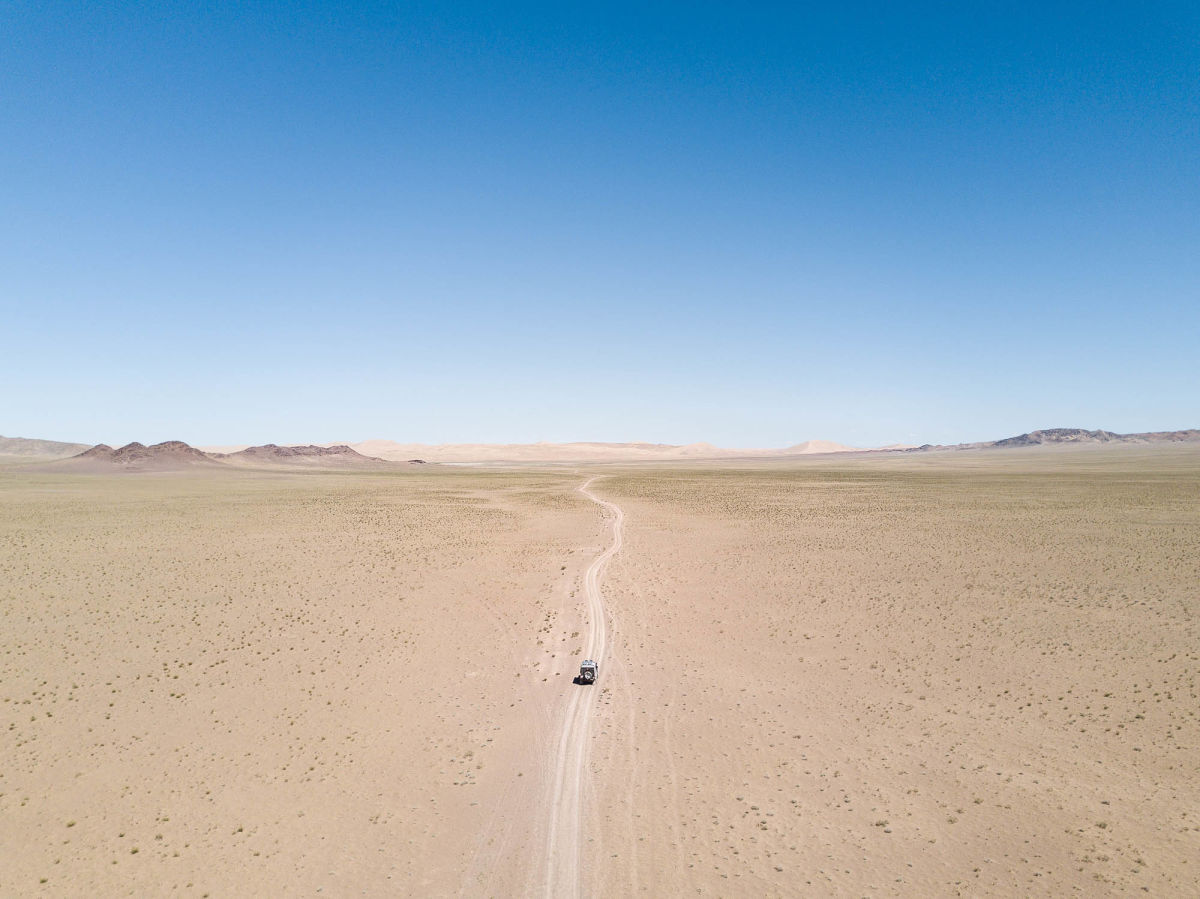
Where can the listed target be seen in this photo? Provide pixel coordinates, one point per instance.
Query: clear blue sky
(670, 222)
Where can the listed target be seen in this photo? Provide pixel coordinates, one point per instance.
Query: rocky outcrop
(339, 454)
(167, 455)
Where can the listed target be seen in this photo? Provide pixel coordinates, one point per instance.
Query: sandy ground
(960, 675)
(937, 675)
(565, 810)
(260, 685)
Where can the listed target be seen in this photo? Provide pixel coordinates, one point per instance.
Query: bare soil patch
(958, 675)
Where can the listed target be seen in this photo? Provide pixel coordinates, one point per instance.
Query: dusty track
(565, 797)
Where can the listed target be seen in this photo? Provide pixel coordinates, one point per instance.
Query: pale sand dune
(893, 675)
(581, 452)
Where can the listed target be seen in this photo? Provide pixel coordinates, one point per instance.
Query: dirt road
(565, 798)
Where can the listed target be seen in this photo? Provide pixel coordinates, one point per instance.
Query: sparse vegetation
(922, 659)
(240, 652)
(949, 654)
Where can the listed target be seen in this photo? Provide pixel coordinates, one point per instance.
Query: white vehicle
(587, 672)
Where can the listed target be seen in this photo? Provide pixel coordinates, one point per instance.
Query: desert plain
(911, 675)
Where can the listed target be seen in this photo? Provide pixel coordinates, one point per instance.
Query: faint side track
(564, 836)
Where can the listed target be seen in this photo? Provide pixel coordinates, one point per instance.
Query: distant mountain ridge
(177, 455)
(45, 449)
(270, 452)
(166, 455)
(1060, 436)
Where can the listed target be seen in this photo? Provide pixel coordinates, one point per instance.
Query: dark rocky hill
(1058, 435)
(304, 455)
(1061, 436)
(170, 454)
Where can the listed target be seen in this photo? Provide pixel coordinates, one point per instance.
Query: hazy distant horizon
(302, 441)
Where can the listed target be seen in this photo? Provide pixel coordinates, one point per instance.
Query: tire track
(565, 800)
